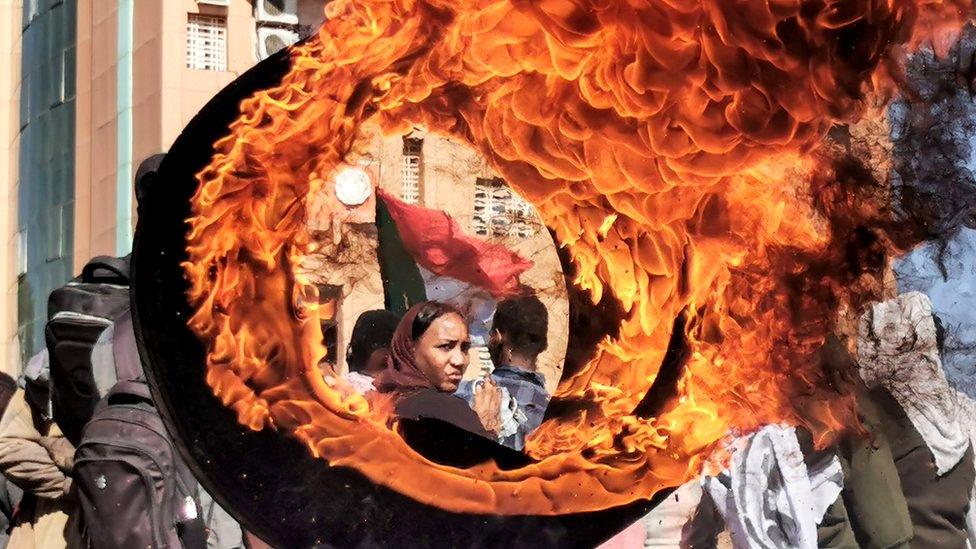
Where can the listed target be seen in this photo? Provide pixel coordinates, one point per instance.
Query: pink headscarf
(402, 374)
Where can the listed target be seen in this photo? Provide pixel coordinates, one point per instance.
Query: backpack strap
(106, 268)
(134, 388)
(128, 366)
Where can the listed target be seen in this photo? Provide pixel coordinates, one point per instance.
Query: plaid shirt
(529, 391)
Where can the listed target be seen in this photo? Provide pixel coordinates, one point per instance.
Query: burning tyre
(669, 150)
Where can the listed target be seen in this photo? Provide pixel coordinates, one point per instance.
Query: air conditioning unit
(270, 40)
(283, 12)
(214, 2)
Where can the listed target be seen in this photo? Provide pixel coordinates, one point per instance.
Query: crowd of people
(420, 361)
(38, 502)
(905, 479)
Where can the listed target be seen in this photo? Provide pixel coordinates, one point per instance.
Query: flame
(672, 147)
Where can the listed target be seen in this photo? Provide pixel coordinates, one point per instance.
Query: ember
(672, 149)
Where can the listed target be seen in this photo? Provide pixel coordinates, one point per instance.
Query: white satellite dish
(353, 186)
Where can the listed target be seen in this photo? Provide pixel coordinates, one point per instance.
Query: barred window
(412, 169)
(206, 42)
(22, 252)
(499, 212)
(55, 239)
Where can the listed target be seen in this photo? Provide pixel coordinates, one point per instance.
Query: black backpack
(132, 487)
(78, 313)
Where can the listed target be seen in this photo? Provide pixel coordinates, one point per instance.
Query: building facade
(11, 31)
(101, 85)
(104, 84)
(45, 167)
(440, 173)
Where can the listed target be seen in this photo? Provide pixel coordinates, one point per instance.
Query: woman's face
(441, 352)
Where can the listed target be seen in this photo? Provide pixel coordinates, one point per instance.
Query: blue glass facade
(46, 166)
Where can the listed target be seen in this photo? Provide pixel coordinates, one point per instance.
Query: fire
(672, 148)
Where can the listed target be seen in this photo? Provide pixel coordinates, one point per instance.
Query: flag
(436, 243)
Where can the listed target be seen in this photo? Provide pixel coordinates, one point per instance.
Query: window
(56, 239)
(30, 11)
(68, 74)
(57, 74)
(499, 212)
(206, 42)
(25, 102)
(22, 252)
(329, 301)
(412, 169)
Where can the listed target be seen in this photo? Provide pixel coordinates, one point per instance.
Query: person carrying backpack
(78, 313)
(36, 457)
(10, 493)
(132, 487)
(133, 490)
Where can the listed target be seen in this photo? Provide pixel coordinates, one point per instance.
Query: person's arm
(23, 458)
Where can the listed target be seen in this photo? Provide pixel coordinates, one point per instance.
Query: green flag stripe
(403, 286)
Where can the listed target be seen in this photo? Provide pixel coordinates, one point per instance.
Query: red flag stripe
(438, 244)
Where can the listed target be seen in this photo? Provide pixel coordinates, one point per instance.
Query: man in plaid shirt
(518, 336)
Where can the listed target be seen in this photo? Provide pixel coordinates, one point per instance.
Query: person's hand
(61, 451)
(487, 404)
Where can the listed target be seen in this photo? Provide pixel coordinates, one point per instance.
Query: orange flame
(668, 144)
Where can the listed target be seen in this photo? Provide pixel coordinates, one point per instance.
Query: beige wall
(148, 45)
(165, 96)
(95, 130)
(185, 91)
(348, 259)
(10, 18)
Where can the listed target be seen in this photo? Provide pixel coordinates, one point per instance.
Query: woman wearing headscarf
(428, 357)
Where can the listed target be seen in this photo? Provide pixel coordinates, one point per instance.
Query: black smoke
(933, 124)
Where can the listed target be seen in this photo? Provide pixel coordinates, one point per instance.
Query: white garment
(897, 350)
(768, 497)
(510, 414)
(223, 532)
(683, 519)
(361, 383)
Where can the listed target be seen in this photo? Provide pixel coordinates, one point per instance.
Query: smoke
(933, 124)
